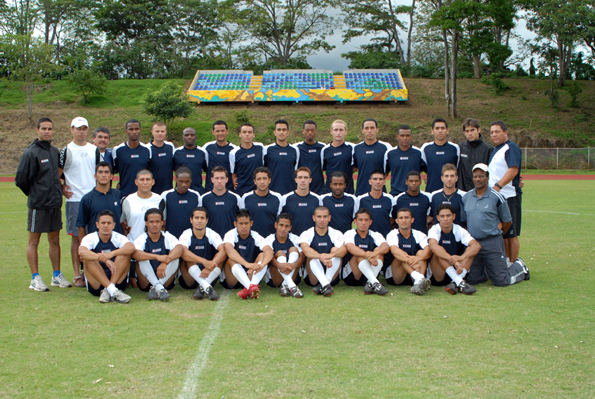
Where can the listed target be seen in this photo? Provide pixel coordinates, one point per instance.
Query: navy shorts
(514, 204)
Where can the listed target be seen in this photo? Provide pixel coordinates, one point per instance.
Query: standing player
(324, 249)
(378, 203)
(403, 159)
(411, 251)
(179, 203)
(415, 200)
(158, 254)
(101, 140)
(38, 177)
(193, 157)
(369, 155)
(450, 194)
(301, 203)
(454, 250)
(161, 162)
(364, 260)
(342, 206)
(220, 202)
(249, 255)
(106, 260)
(310, 150)
(287, 259)
(204, 254)
(77, 161)
(244, 160)
(282, 160)
(264, 205)
(437, 153)
(338, 155)
(218, 154)
(130, 157)
(473, 151)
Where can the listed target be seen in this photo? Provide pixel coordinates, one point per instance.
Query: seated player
(106, 260)
(324, 249)
(249, 255)
(364, 260)
(411, 251)
(158, 254)
(454, 250)
(204, 254)
(287, 260)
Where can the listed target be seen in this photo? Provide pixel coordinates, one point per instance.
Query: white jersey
(232, 237)
(212, 237)
(335, 237)
(350, 237)
(92, 241)
(294, 241)
(133, 212)
(169, 241)
(460, 234)
(392, 239)
(78, 163)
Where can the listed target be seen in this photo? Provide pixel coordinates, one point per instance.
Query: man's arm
(309, 252)
(438, 250)
(505, 227)
(234, 255)
(82, 232)
(472, 250)
(86, 254)
(507, 178)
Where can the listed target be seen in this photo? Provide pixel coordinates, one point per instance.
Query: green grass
(534, 339)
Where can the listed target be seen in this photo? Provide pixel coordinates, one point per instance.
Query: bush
(166, 104)
(86, 82)
(495, 80)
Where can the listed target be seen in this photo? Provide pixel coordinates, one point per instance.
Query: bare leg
(354, 264)
(188, 279)
(229, 277)
(96, 277)
(514, 248)
(54, 241)
(74, 253)
(32, 256)
(399, 271)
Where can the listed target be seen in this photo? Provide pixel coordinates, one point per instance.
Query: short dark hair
(404, 210)
(220, 122)
(103, 164)
(412, 173)
(182, 170)
(132, 121)
(102, 130)
(144, 172)
(153, 211)
(377, 172)
(281, 122)
(370, 120)
(243, 213)
(220, 168)
(338, 174)
(199, 209)
(106, 212)
(285, 215)
(363, 210)
(246, 124)
(445, 206)
(321, 208)
(439, 120)
(262, 169)
(44, 119)
(501, 124)
(309, 122)
(404, 127)
(471, 122)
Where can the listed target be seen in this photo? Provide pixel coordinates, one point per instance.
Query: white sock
(170, 270)
(111, 289)
(240, 274)
(376, 269)
(147, 270)
(317, 269)
(330, 271)
(194, 271)
(282, 259)
(293, 257)
(288, 279)
(213, 275)
(457, 278)
(257, 277)
(366, 269)
(417, 276)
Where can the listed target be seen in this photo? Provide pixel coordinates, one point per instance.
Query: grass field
(534, 339)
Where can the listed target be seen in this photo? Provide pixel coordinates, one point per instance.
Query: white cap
(481, 166)
(79, 121)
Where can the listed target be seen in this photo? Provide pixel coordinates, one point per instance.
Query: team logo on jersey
(182, 201)
(464, 155)
(370, 152)
(199, 247)
(105, 251)
(446, 202)
(439, 152)
(84, 155)
(323, 244)
(155, 250)
(145, 208)
(242, 247)
(446, 242)
(376, 206)
(406, 245)
(116, 203)
(337, 153)
(311, 151)
(220, 203)
(220, 153)
(162, 154)
(134, 156)
(338, 205)
(413, 204)
(189, 155)
(282, 153)
(250, 155)
(404, 158)
(45, 161)
(303, 204)
(363, 246)
(262, 204)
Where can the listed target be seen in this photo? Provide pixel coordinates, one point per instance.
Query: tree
(86, 82)
(166, 104)
(372, 57)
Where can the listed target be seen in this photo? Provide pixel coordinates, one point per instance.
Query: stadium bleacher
(223, 80)
(371, 79)
(289, 79)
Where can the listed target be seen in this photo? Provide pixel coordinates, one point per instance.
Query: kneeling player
(249, 255)
(454, 250)
(106, 260)
(324, 249)
(287, 259)
(158, 255)
(204, 254)
(365, 257)
(411, 251)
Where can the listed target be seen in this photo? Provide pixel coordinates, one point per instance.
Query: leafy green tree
(166, 104)
(372, 57)
(86, 82)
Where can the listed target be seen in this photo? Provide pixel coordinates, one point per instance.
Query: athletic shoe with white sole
(212, 294)
(198, 293)
(37, 284)
(417, 289)
(368, 289)
(296, 292)
(467, 289)
(152, 295)
(451, 288)
(163, 295)
(284, 290)
(105, 297)
(426, 284)
(522, 263)
(60, 281)
(121, 297)
(379, 289)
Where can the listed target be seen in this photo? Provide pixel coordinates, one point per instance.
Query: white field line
(9, 213)
(561, 213)
(202, 354)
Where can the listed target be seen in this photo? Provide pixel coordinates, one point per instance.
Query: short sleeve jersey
(248, 248)
(342, 210)
(264, 210)
(456, 200)
(94, 244)
(369, 243)
(282, 162)
(94, 202)
(243, 162)
(420, 208)
(218, 156)
(222, 210)
(381, 209)
(310, 158)
(504, 157)
(484, 213)
(338, 159)
(161, 165)
(454, 242)
(436, 156)
(323, 244)
(128, 162)
(367, 159)
(196, 160)
(78, 163)
(178, 210)
(416, 241)
(133, 212)
(206, 247)
(162, 246)
(291, 241)
(301, 208)
(399, 163)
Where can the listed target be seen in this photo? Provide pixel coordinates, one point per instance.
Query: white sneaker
(60, 281)
(37, 284)
(121, 297)
(105, 297)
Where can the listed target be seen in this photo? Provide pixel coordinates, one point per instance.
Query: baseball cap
(481, 166)
(79, 121)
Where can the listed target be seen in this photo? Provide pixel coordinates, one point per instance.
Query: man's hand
(104, 257)
(67, 191)
(284, 268)
(125, 228)
(161, 270)
(164, 259)
(111, 266)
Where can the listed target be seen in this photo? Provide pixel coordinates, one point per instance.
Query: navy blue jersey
(128, 162)
(338, 159)
(248, 248)
(161, 165)
(107, 157)
(94, 202)
(367, 159)
(162, 246)
(455, 242)
(416, 241)
(243, 162)
(323, 244)
(436, 156)
(456, 200)
(370, 242)
(381, 209)
(399, 163)
(291, 241)
(342, 210)
(205, 247)
(302, 209)
(264, 211)
(178, 210)
(282, 162)
(218, 156)
(310, 158)
(420, 207)
(195, 160)
(222, 210)
(94, 243)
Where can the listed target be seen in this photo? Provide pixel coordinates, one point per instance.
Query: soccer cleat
(451, 288)
(426, 284)
(317, 289)
(467, 289)
(417, 289)
(327, 290)
(60, 281)
(37, 284)
(121, 297)
(284, 290)
(163, 295)
(296, 292)
(524, 265)
(152, 295)
(253, 291)
(368, 290)
(379, 289)
(198, 293)
(212, 294)
(105, 297)
(243, 293)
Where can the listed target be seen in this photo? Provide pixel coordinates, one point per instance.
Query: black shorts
(351, 281)
(447, 280)
(514, 204)
(44, 220)
(406, 281)
(96, 292)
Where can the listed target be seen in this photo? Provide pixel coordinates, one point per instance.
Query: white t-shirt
(133, 212)
(78, 163)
